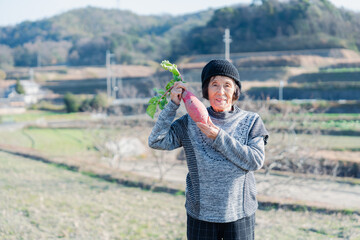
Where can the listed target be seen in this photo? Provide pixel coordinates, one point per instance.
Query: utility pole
(227, 41)
(281, 86)
(119, 82)
(109, 78)
(38, 60)
(31, 74)
(113, 86)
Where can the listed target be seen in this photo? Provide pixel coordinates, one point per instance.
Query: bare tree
(105, 141)
(129, 92)
(165, 162)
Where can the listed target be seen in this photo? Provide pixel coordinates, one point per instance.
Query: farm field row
(310, 121)
(71, 141)
(321, 121)
(320, 142)
(318, 124)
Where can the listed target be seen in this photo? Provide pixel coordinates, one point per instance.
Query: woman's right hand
(176, 92)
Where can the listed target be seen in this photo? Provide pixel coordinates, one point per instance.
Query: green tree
(24, 57)
(19, 87)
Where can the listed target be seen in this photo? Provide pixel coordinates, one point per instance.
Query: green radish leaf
(161, 95)
(161, 106)
(171, 67)
(177, 78)
(170, 84)
(163, 103)
(151, 109)
(153, 100)
(159, 91)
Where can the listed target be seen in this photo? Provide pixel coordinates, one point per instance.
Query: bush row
(74, 103)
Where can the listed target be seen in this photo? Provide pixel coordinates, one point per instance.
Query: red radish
(196, 109)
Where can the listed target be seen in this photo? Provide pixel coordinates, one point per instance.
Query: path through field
(308, 190)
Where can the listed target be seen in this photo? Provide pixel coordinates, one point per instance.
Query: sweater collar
(223, 115)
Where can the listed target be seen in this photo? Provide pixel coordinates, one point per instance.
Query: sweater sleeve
(163, 136)
(249, 157)
(258, 129)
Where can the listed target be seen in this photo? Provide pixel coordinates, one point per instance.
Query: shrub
(72, 103)
(99, 102)
(85, 105)
(75, 103)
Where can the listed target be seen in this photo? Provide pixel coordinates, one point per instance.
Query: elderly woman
(221, 156)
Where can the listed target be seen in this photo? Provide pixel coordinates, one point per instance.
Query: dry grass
(42, 201)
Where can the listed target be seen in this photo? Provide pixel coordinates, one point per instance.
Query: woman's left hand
(209, 129)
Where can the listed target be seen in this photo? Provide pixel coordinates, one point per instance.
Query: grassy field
(43, 201)
(53, 142)
(337, 132)
(337, 122)
(40, 201)
(33, 115)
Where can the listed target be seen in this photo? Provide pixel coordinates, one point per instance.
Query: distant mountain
(82, 36)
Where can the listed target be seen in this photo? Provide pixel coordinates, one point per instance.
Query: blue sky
(16, 11)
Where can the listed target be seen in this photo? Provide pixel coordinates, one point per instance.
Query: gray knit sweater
(220, 185)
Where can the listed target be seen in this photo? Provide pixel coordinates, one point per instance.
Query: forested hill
(270, 25)
(82, 36)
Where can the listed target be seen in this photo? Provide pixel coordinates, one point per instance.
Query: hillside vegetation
(275, 25)
(82, 36)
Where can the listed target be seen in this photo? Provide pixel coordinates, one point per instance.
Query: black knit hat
(220, 67)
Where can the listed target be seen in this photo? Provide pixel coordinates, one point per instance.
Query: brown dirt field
(346, 156)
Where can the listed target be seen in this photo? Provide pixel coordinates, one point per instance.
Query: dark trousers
(242, 229)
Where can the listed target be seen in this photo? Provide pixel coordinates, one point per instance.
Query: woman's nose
(221, 89)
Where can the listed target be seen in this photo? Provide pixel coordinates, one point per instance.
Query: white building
(32, 95)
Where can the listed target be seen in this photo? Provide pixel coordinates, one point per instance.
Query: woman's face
(221, 90)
